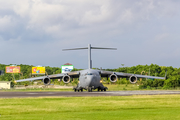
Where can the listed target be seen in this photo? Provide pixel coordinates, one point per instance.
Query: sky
(34, 32)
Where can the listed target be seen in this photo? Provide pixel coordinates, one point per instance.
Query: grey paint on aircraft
(90, 78)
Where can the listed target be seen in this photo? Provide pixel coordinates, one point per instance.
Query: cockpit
(89, 74)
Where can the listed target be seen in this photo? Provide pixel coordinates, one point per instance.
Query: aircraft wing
(55, 76)
(120, 74)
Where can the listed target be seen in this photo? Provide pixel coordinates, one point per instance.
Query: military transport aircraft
(90, 78)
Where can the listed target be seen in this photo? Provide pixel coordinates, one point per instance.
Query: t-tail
(89, 52)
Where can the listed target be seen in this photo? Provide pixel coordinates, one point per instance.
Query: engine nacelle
(133, 79)
(66, 79)
(113, 78)
(46, 81)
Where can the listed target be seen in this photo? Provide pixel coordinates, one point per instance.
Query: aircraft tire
(78, 90)
(104, 89)
(81, 90)
(98, 89)
(74, 90)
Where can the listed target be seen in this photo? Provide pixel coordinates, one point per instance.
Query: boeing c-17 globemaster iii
(90, 78)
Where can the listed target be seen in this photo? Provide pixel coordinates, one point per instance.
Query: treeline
(172, 77)
(26, 71)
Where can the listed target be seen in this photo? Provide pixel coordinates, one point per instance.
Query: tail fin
(89, 52)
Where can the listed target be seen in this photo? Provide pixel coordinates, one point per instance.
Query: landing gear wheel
(89, 89)
(74, 90)
(78, 90)
(104, 89)
(81, 90)
(101, 89)
(98, 89)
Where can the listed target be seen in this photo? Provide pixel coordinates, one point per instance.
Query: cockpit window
(89, 74)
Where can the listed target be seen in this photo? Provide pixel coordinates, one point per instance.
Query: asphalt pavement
(94, 93)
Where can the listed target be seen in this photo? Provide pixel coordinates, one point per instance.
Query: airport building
(5, 84)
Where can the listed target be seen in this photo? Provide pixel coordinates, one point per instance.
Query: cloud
(6, 23)
(42, 28)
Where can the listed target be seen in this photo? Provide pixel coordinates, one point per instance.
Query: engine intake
(66, 79)
(46, 81)
(133, 79)
(113, 78)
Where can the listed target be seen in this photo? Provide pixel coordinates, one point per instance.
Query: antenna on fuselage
(89, 52)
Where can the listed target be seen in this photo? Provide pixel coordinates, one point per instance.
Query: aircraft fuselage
(90, 79)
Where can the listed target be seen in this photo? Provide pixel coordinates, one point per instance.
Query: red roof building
(68, 64)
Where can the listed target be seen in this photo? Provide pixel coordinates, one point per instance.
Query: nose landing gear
(89, 89)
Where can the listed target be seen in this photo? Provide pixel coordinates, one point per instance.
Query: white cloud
(128, 25)
(6, 23)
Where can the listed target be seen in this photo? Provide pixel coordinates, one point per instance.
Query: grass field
(110, 88)
(155, 107)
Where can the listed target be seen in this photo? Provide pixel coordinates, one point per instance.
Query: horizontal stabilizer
(103, 48)
(76, 48)
(91, 48)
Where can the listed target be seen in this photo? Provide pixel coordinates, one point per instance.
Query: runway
(81, 94)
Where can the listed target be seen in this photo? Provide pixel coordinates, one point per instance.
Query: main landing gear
(89, 89)
(79, 90)
(99, 89)
(102, 89)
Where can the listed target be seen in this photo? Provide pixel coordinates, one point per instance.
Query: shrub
(166, 87)
(124, 89)
(142, 87)
(157, 83)
(148, 87)
(123, 81)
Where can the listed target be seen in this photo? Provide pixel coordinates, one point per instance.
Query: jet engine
(133, 79)
(113, 78)
(66, 79)
(46, 81)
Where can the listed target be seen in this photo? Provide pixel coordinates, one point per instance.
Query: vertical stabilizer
(89, 52)
(89, 57)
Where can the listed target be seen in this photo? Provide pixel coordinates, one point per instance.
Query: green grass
(37, 90)
(116, 87)
(111, 87)
(163, 107)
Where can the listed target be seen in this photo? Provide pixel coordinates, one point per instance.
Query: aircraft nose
(90, 80)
